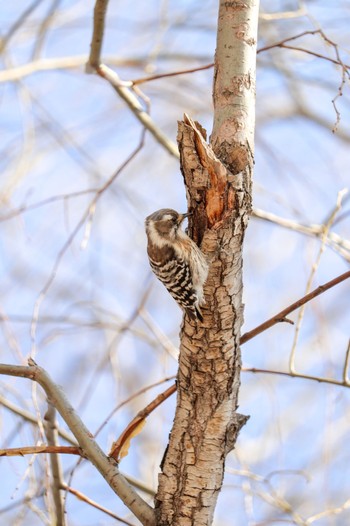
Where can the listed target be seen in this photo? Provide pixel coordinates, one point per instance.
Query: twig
(17, 24)
(318, 379)
(346, 379)
(121, 330)
(281, 316)
(131, 100)
(98, 31)
(280, 15)
(289, 39)
(34, 450)
(141, 415)
(326, 228)
(129, 399)
(89, 446)
(162, 338)
(44, 28)
(337, 243)
(171, 74)
(27, 415)
(122, 88)
(96, 505)
(328, 512)
(76, 62)
(70, 239)
(313, 53)
(337, 61)
(50, 426)
(49, 200)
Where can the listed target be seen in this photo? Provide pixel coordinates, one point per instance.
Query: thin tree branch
(17, 24)
(95, 504)
(98, 32)
(50, 427)
(346, 379)
(280, 15)
(75, 62)
(44, 29)
(328, 512)
(289, 39)
(281, 316)
(336, 242)
(135, 423)
(171, 74)
(127, 400)
(291, 374)
(85, 217)
(314, 53)
(313, 271)
(91, 449)
(62, 197)
(27, 415)
(35, 450)
(122, 88)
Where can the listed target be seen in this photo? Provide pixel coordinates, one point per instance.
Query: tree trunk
(218, 183)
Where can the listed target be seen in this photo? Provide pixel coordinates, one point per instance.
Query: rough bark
(218, 183)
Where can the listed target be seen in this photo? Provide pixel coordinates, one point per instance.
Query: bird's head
(164, 223)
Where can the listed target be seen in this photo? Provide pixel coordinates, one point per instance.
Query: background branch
(281, 316)
(84, 438)
(50, 427)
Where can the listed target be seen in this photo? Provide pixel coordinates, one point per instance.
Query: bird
(176, 260)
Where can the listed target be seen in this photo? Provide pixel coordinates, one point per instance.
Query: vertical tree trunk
(218, 182)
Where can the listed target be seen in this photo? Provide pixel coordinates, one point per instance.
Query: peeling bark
(218, 184)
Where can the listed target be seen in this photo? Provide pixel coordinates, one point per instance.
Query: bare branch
(27, 415)
(132, 397)
(328, 513)
(336, 242)
(35, 450)
(96, 505)
(314, 53)
(301, 11)
(98, 31)
(131, 100)
(62, 197)
(171, 74)
(291, 374)
(284, 313)
(91, 449)
(50, 427)
(70, 239)
(289, 39)
(122, 88)
(346, 379)
(18, 23)
(44, 28)
(141, 416)
(313, 271)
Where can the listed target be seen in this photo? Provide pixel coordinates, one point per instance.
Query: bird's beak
(183, 216)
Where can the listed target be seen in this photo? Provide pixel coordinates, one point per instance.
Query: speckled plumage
(176, 260)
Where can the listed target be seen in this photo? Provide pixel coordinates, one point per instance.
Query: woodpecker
(176, 260)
